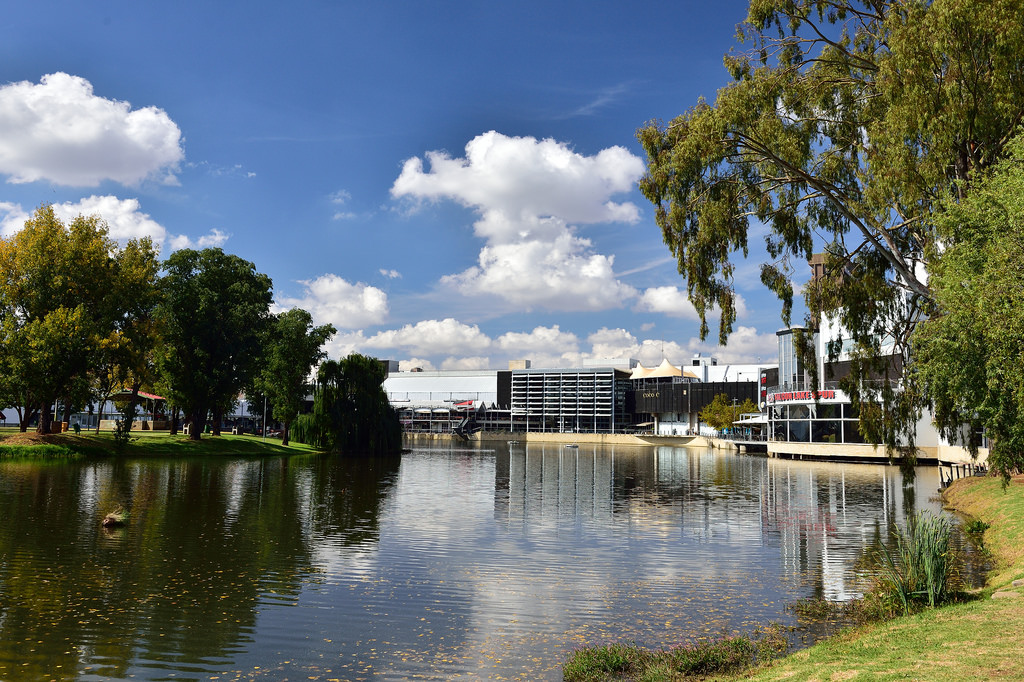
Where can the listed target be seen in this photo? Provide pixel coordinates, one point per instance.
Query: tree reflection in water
(206, 543)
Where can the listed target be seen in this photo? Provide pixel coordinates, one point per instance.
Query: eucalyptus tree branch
(890, 251)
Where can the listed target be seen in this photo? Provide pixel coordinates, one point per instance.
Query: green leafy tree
(351, 412)
(720, 413)
(968, 353)
(125, 358)
(212, 318)
(847, 125)
(292, 349)
(64, 290)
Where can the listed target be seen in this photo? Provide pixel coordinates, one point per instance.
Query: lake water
(449, 562)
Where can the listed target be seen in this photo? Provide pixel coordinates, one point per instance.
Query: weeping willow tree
(351, 412)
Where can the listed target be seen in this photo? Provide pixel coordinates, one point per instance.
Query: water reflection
(208, 543)
(452, 561)
(818, 516)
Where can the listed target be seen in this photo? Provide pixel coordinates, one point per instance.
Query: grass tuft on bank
(623, 661)
(142, 444)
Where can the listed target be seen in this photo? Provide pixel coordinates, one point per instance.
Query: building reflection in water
(822, 519)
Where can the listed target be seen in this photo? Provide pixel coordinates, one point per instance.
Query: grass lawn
(143, 443)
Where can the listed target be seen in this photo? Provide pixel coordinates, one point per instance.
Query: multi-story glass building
(582, 400)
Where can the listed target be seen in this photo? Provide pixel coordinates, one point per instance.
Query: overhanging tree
(845, 128)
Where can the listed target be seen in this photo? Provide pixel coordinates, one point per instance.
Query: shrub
(729, 655)
(597, 663)
(976, 527)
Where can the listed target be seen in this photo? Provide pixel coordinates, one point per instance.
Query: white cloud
(476, 362)
(544, 346)
(745, 345)
(344, 343)
(60, 132)
(214, 238)
(390, 274)
(618, 343)
(415, 363)
(667, 300)
(12, 218)
(653, 351)
(124, 218)
(526, 193)
(331, 299)
(542, 339)
(340, 198)
(674, 302)
(562, 274)
(612, 343)
(450, 344)
(523, 176)
(433, 337)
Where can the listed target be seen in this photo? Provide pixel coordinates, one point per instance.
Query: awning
(142, 394)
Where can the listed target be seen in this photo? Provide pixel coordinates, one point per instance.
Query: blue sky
(452, 185)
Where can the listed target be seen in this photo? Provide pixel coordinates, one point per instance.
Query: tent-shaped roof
(639, 372)
(665, 369)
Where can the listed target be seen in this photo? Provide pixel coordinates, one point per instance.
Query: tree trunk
(45, 418)
(129, 411)
(99, 417)
(67, 412)
(196, 427)
(218, 416)
(284, 433)
(174, 421)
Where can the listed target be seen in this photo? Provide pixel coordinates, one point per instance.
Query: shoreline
(144, 444)
(850, 453)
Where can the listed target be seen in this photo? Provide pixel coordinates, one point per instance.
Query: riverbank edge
(642, 440)
(972, 641)
(152, 444)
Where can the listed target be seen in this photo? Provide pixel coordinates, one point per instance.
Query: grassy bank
(978, 640)
(142, 444)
